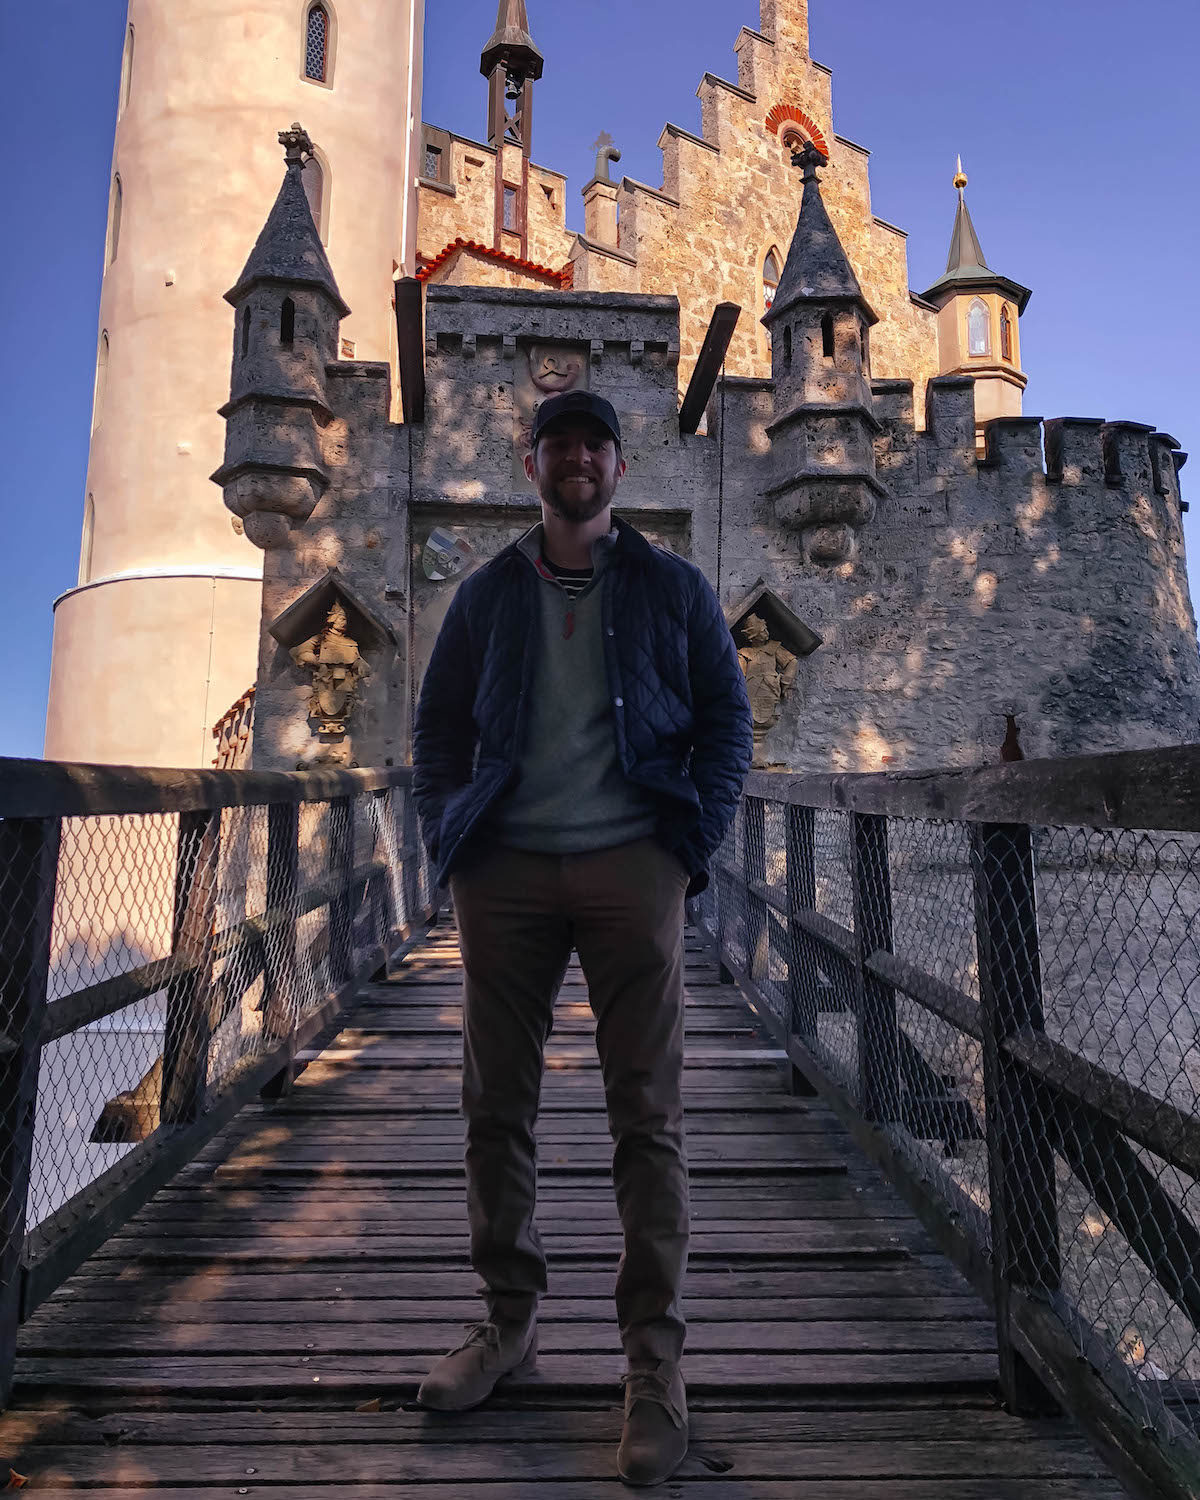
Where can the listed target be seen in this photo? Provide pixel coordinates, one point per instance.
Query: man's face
(576, 467)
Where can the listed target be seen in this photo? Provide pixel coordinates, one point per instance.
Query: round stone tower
(161, 634)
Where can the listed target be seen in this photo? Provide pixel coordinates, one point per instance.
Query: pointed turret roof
(817, 267)
(511, 42)
(966, 269)
(289, 249)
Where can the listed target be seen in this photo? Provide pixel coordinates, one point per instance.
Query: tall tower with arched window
(160, 635)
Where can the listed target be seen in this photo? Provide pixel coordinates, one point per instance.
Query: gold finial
(960, 177)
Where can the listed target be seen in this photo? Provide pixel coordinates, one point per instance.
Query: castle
(916, 573)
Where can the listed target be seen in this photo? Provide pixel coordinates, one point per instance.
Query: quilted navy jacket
(680, 711)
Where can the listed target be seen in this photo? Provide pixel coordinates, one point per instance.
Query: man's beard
(576, 508)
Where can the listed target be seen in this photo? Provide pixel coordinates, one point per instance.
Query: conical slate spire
(817, 267)
(511, 43)
(965, 266)
(289, 249)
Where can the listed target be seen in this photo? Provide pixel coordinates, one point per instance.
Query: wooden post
(410, 856)
(189, 998)
(878, 1032)
(341, 907)
(803, 991)
(1024, 1201)
(283, 866)
(754, 871)
(28, 877)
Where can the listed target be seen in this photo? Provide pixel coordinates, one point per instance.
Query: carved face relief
(542, 370)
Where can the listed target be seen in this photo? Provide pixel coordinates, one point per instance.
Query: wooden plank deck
(261, 1327)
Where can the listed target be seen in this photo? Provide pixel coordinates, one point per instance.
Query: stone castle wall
(1045, 581)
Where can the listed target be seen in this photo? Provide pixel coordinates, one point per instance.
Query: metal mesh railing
(159, 968)
(1015, 1008)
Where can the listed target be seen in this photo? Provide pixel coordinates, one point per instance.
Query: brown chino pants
(519, 917)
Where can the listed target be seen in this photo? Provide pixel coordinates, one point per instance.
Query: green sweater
(570, 796)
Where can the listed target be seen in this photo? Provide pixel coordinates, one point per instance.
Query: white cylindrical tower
(161, 635)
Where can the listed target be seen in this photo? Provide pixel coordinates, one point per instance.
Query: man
(580, 747)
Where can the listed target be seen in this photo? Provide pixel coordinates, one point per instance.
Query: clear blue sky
(1077, 121)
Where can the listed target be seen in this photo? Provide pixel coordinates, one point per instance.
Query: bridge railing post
(1024, 1197)
(878, 1029)
(281, 960)
(341, 906)
(188, 1024)
(800, 863)
(28, 879)
(754, 871)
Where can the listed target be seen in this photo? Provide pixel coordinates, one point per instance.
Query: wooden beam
(410, 346)
(1150, 789)
(708, 366)
(59, 789)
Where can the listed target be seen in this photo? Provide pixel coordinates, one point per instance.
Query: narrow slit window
(287, 322)
(101, 382)
(87, 541)
(787, 348)
(114, 219)
(126, 73)
(827, 335)
(979, 339)
(313, 176)
(1006, 333)
(771, 274)
(316, 45)
(245, 331)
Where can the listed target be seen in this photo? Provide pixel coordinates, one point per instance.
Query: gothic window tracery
(771, 275)
(979, 334)
(316, 45)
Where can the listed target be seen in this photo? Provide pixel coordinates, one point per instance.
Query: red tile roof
(565, 279)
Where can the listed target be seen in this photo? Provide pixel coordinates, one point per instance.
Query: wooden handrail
(58, 789)
(1145, 789)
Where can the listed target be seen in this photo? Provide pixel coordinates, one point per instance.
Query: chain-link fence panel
(158, 968)
(1016, 1009)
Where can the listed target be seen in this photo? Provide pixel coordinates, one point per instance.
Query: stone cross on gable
(809, 158)
(297, 145)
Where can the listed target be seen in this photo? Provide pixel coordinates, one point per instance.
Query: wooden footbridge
(229, 1278)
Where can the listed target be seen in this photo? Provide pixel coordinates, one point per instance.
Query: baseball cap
(576, 404)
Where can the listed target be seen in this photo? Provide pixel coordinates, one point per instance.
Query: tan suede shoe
(469, 1374)
(654, 1440)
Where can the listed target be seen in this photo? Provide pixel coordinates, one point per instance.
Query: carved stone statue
(337, 669)
(770, 671)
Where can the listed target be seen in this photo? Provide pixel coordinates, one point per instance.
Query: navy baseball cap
(576, 404)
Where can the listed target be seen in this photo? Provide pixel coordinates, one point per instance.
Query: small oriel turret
(979, 313)
(287, 314)
(823, 435)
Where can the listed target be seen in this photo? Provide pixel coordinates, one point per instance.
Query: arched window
(314, 187)
(101, 384)
(85, 545)
(1006, 332)
(287, 322)
(771, 275)
(787, 348)
(114, 220)
(316, 44)
(245, 346)
(979, 333)
(827, 335)
(126, 73)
